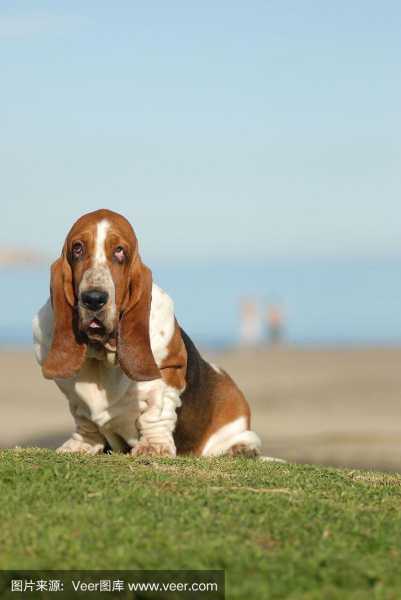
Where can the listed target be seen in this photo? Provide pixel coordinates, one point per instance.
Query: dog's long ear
(133, 347)
(67, 352)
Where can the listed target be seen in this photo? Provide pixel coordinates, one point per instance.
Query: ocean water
(335, 302)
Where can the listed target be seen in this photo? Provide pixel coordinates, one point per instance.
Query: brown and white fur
(133, 378)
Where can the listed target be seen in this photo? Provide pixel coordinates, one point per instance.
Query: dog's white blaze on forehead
(101, 232)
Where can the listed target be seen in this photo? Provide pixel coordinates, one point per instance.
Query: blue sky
(231, 129)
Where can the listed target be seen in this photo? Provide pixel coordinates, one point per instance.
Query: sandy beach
(339, 407)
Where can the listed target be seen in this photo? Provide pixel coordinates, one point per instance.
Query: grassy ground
(279, 531)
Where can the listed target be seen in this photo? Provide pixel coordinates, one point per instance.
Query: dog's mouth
(96, 326)
(95, 329)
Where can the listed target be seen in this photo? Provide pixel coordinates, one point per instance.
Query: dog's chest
(102, 392)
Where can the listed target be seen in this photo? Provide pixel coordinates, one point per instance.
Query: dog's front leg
(158, 403)
(86, 439)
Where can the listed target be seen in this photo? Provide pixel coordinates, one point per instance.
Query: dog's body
(133, 378)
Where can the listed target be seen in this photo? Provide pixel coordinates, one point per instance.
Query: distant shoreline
(357, 346)
(14, 257)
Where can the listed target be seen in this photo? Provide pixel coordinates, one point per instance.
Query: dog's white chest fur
(100, 391)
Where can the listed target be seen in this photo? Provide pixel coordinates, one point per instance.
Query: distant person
(275, 324)
(251, 322)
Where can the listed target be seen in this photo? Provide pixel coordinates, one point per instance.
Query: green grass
(279, 531)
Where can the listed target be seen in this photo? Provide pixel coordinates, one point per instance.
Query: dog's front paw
(153, 449)
(73, 445)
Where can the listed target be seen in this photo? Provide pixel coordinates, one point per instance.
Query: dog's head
(101, 295)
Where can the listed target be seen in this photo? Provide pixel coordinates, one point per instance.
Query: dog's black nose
(94, 299)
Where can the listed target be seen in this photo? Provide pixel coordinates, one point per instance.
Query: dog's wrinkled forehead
(97, 230)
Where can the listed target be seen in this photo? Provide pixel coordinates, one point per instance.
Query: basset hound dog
(134, 380)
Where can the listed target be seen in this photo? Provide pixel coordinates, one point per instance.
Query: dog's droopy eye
(77, 250)
(119, 253)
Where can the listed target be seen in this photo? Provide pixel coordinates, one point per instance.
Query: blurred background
(256, 149)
